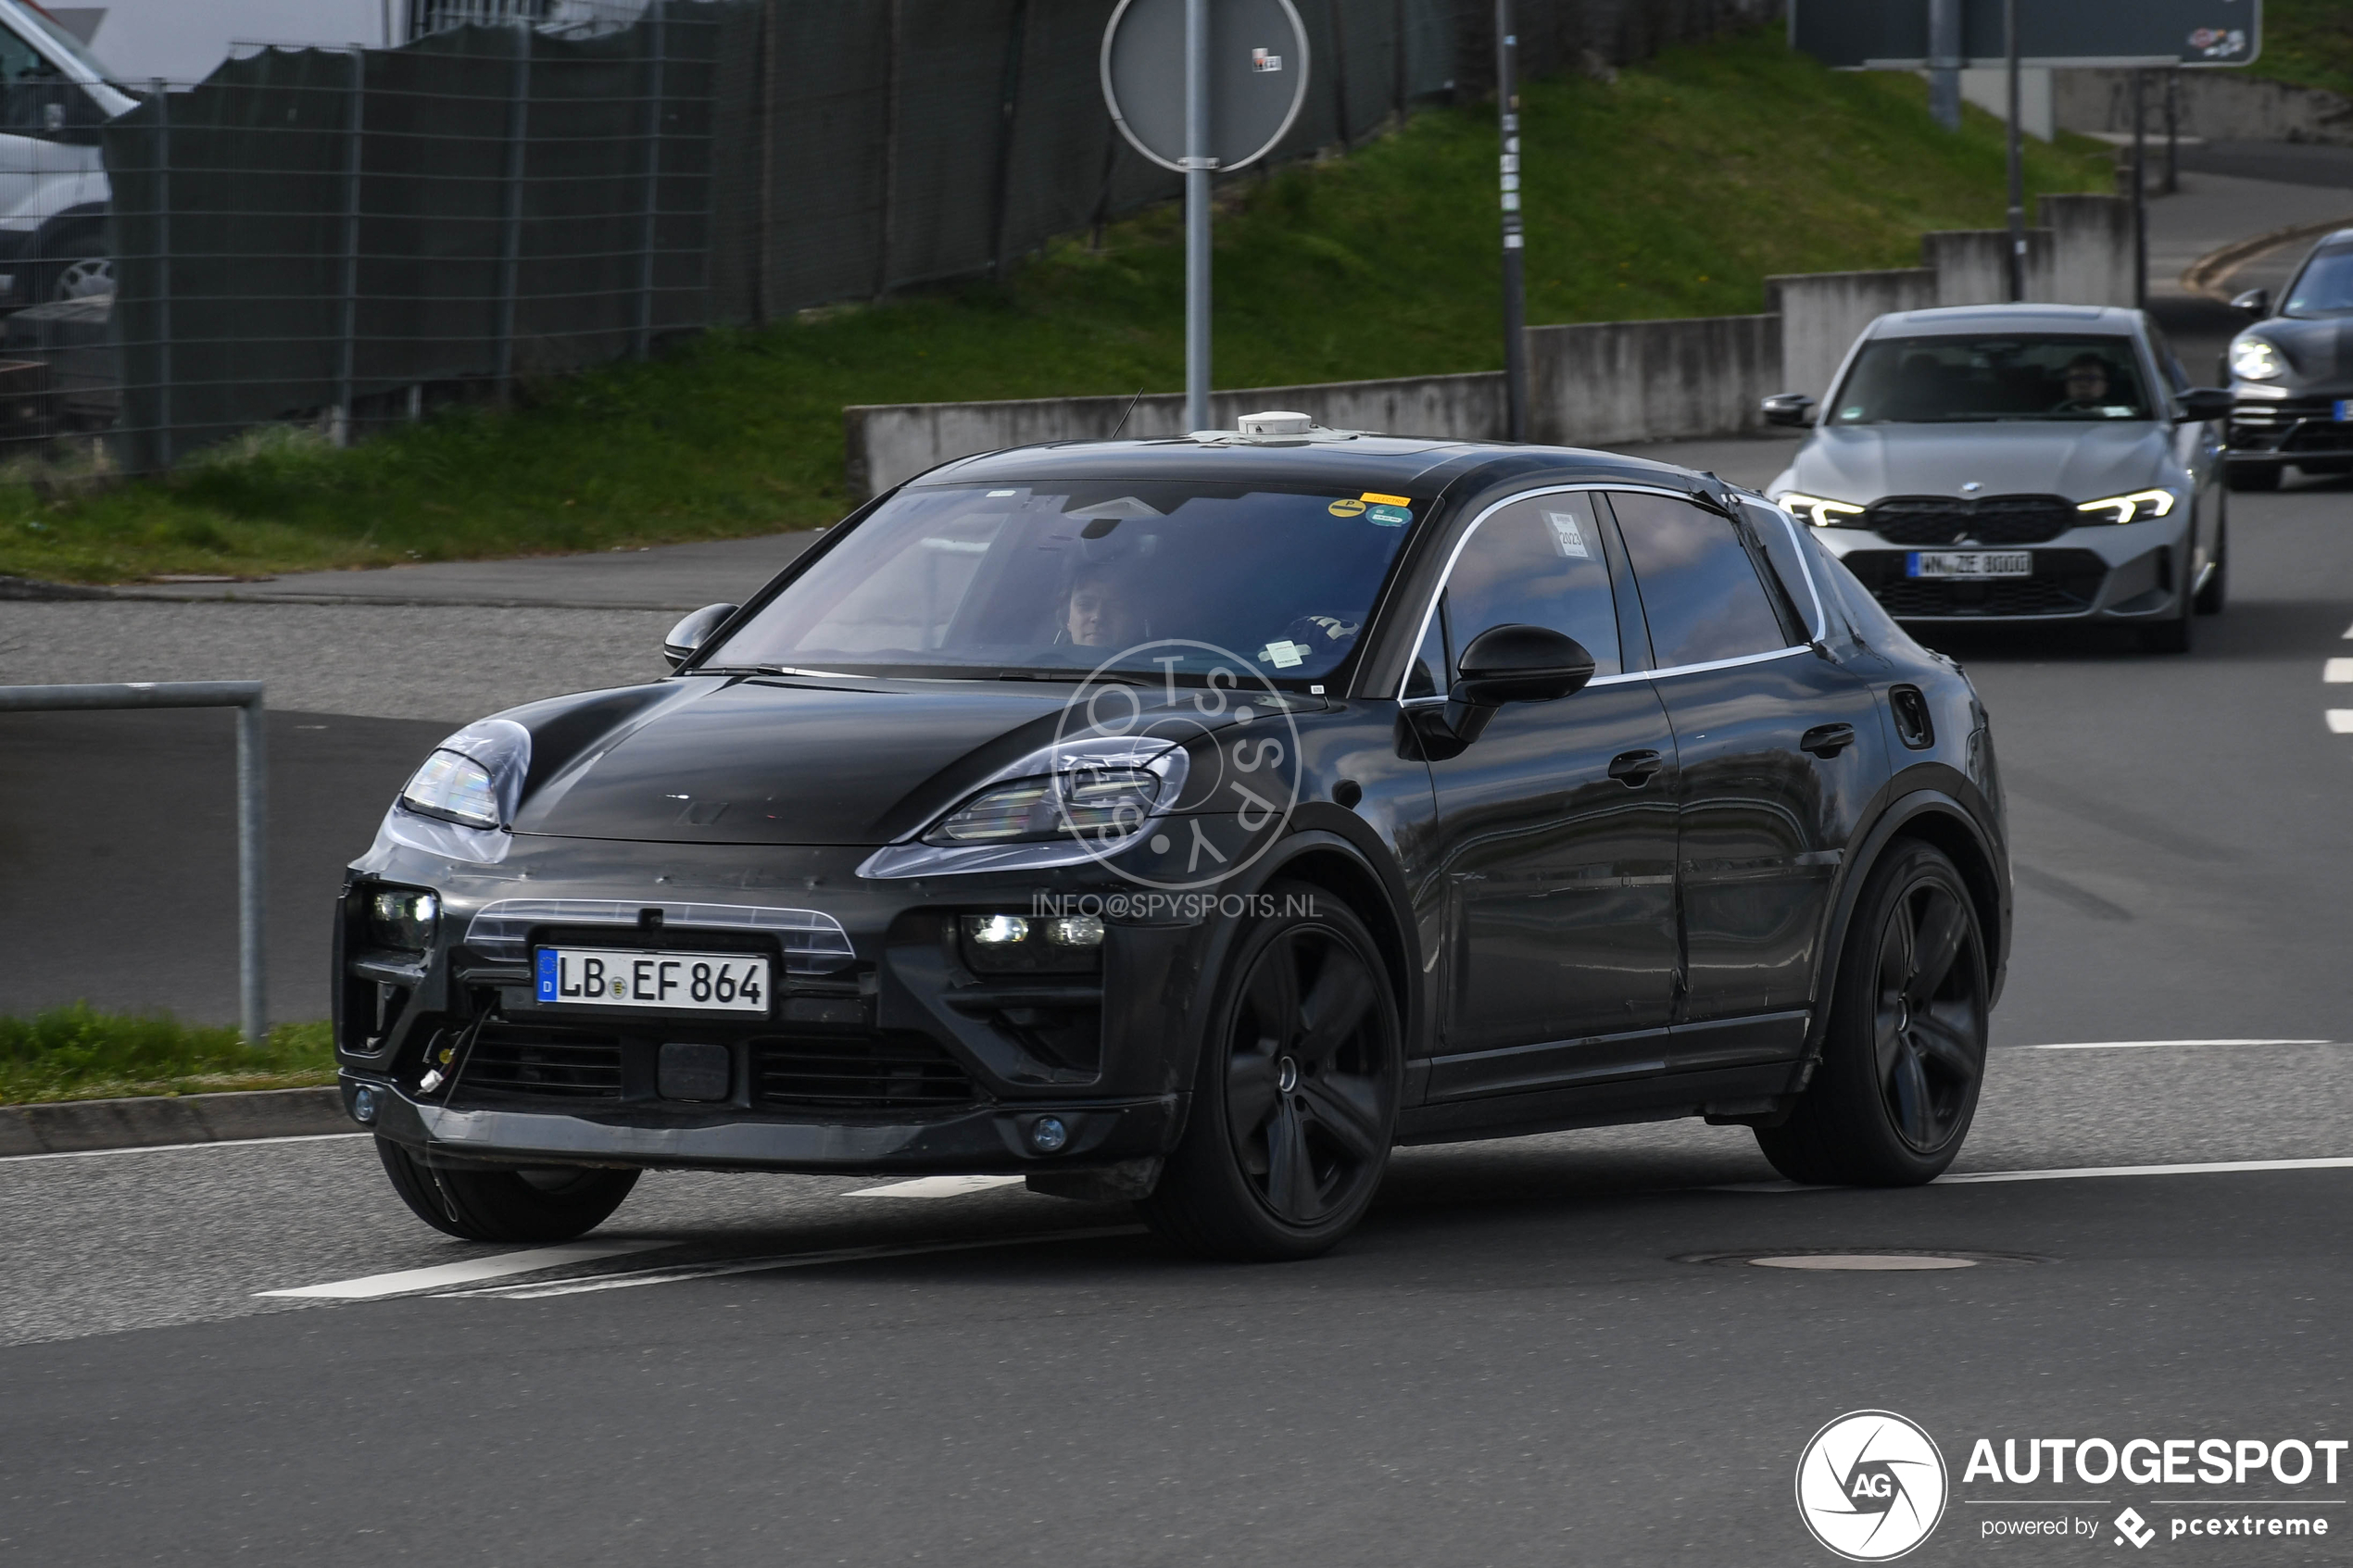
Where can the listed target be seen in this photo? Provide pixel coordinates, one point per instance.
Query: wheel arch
(1932, 817)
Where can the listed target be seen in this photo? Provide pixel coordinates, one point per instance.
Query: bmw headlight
(2253, 358)
(1083, 802)
(2139, 506)
(1820, 510)
(474, 778)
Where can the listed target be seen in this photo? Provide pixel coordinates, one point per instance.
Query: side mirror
(2254, 302)
(2206, 403)
(1519, 664)
(679, 643)
(1787, 408)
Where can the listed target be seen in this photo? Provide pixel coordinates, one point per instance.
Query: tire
(1904, 1052)
(2212, 597)
(2252, 476)
(76, 264)
(553, 1204)
(1295, 1104)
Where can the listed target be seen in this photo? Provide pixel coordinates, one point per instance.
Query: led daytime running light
(1820, 510)
(2139, 506)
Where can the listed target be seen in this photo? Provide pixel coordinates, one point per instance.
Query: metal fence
(342, 238)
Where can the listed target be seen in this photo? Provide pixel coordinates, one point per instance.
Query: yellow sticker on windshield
(1390, 500)
(1346, 507)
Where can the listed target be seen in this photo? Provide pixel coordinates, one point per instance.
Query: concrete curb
(30, 588)
(75, 1127)
(2210, 274)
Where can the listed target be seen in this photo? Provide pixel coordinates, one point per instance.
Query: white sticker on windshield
(1566, 537)
(1284, 654)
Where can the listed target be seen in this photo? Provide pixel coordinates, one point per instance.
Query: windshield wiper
(1068, 677)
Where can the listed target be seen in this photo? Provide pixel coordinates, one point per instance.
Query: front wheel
(1906, 1048)
(551, 1204)
(1296, 1099)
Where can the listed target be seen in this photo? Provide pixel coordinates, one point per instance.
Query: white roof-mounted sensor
(1274, 425)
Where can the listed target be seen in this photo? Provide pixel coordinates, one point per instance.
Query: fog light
(1076, 931)
(363, 1103)
(1048, 1134)
(996, 930)
(403, 917)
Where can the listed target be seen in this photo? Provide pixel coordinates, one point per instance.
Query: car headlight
(474, 778)
(2252, 358)
(2139, 506)
(1079, 803)
(1820, 510)
(403, 917)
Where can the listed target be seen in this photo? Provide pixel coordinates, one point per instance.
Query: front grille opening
(1993, 519)
(540, 1061)
(896, 1071)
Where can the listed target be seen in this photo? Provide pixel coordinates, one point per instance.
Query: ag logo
(1871, 1485)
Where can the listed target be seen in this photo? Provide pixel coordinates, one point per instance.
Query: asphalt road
(1509, 1364)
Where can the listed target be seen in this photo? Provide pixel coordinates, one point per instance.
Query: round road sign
(1257, 76)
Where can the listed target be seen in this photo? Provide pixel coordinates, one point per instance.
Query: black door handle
(1827, 740)
(1635, 769)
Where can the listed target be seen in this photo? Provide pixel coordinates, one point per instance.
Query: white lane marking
(167, 1148)
(2152, 1045)
(373, 1285)
(2338, 671)
(937, 1186)
(782, 1261)
(2209, 1168)
(2341, 721)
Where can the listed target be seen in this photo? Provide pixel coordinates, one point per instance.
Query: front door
(1780, 747)
(1555, 828)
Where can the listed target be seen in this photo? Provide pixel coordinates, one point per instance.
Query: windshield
(2324, 287)
(66, 43)
(2024, 376)
(1055, 580)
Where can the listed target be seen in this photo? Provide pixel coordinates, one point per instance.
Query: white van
(54, 97)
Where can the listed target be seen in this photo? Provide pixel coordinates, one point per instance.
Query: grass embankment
(1671, 192)
(2308, 44)
(73, 1053)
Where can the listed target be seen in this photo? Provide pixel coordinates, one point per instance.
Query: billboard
(1893, 34)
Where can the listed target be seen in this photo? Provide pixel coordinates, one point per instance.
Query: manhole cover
(1871, 1260)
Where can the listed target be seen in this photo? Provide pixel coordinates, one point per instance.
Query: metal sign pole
(1198, 163)
(2018, 161)
(2140, 191)
(1514, 238)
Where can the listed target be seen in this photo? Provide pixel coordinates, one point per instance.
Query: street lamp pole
(1515, 239)
(2018, 165)
(1197, 256)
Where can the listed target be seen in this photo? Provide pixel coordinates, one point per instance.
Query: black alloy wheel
(2252, 476)
(1296, 1100)
(1905, 1053)
(554, 1203)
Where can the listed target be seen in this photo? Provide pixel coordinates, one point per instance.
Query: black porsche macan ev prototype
(1191, 822)
(2291, 373)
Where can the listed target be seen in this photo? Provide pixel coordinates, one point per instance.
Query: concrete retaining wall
(2221, 105)
(1822, 311)
(1972, 265)
(1601, 383)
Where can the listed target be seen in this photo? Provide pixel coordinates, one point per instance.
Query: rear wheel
(553, 1203)
(2252, 476)
(1906, 1048)
(1296, 1100)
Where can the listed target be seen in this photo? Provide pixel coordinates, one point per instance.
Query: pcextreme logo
(1871, 1485)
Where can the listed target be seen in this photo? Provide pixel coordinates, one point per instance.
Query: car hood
(2079, 462)
(2319, 353)
(773, 761)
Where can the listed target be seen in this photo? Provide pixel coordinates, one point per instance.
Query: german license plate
(624, 977)
(1969, 563)
(2344, 411)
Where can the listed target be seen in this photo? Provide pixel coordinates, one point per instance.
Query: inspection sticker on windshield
(616, 977)
(1969, 563)
(1347, 505)
(1385, 516)
(1284, 654)
(1566, 537)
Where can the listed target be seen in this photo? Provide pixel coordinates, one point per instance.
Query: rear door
(1779, 748)
(1555, 828)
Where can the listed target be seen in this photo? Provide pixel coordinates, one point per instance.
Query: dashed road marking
(2341, 721)
(371, 1286)
(2338, 671)
(937, 1186)
(719, 1268)
(2208, 1168)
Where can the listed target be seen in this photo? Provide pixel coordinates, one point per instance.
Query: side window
(2166, 360)
(1538, 562)
(38, 99)
(1699, 590)
(1427, 675)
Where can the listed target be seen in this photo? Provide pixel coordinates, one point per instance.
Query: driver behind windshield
(2086, 383)
(1102, 613)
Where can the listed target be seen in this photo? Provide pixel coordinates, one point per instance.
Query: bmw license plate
(1968, 563)
(624, 977)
